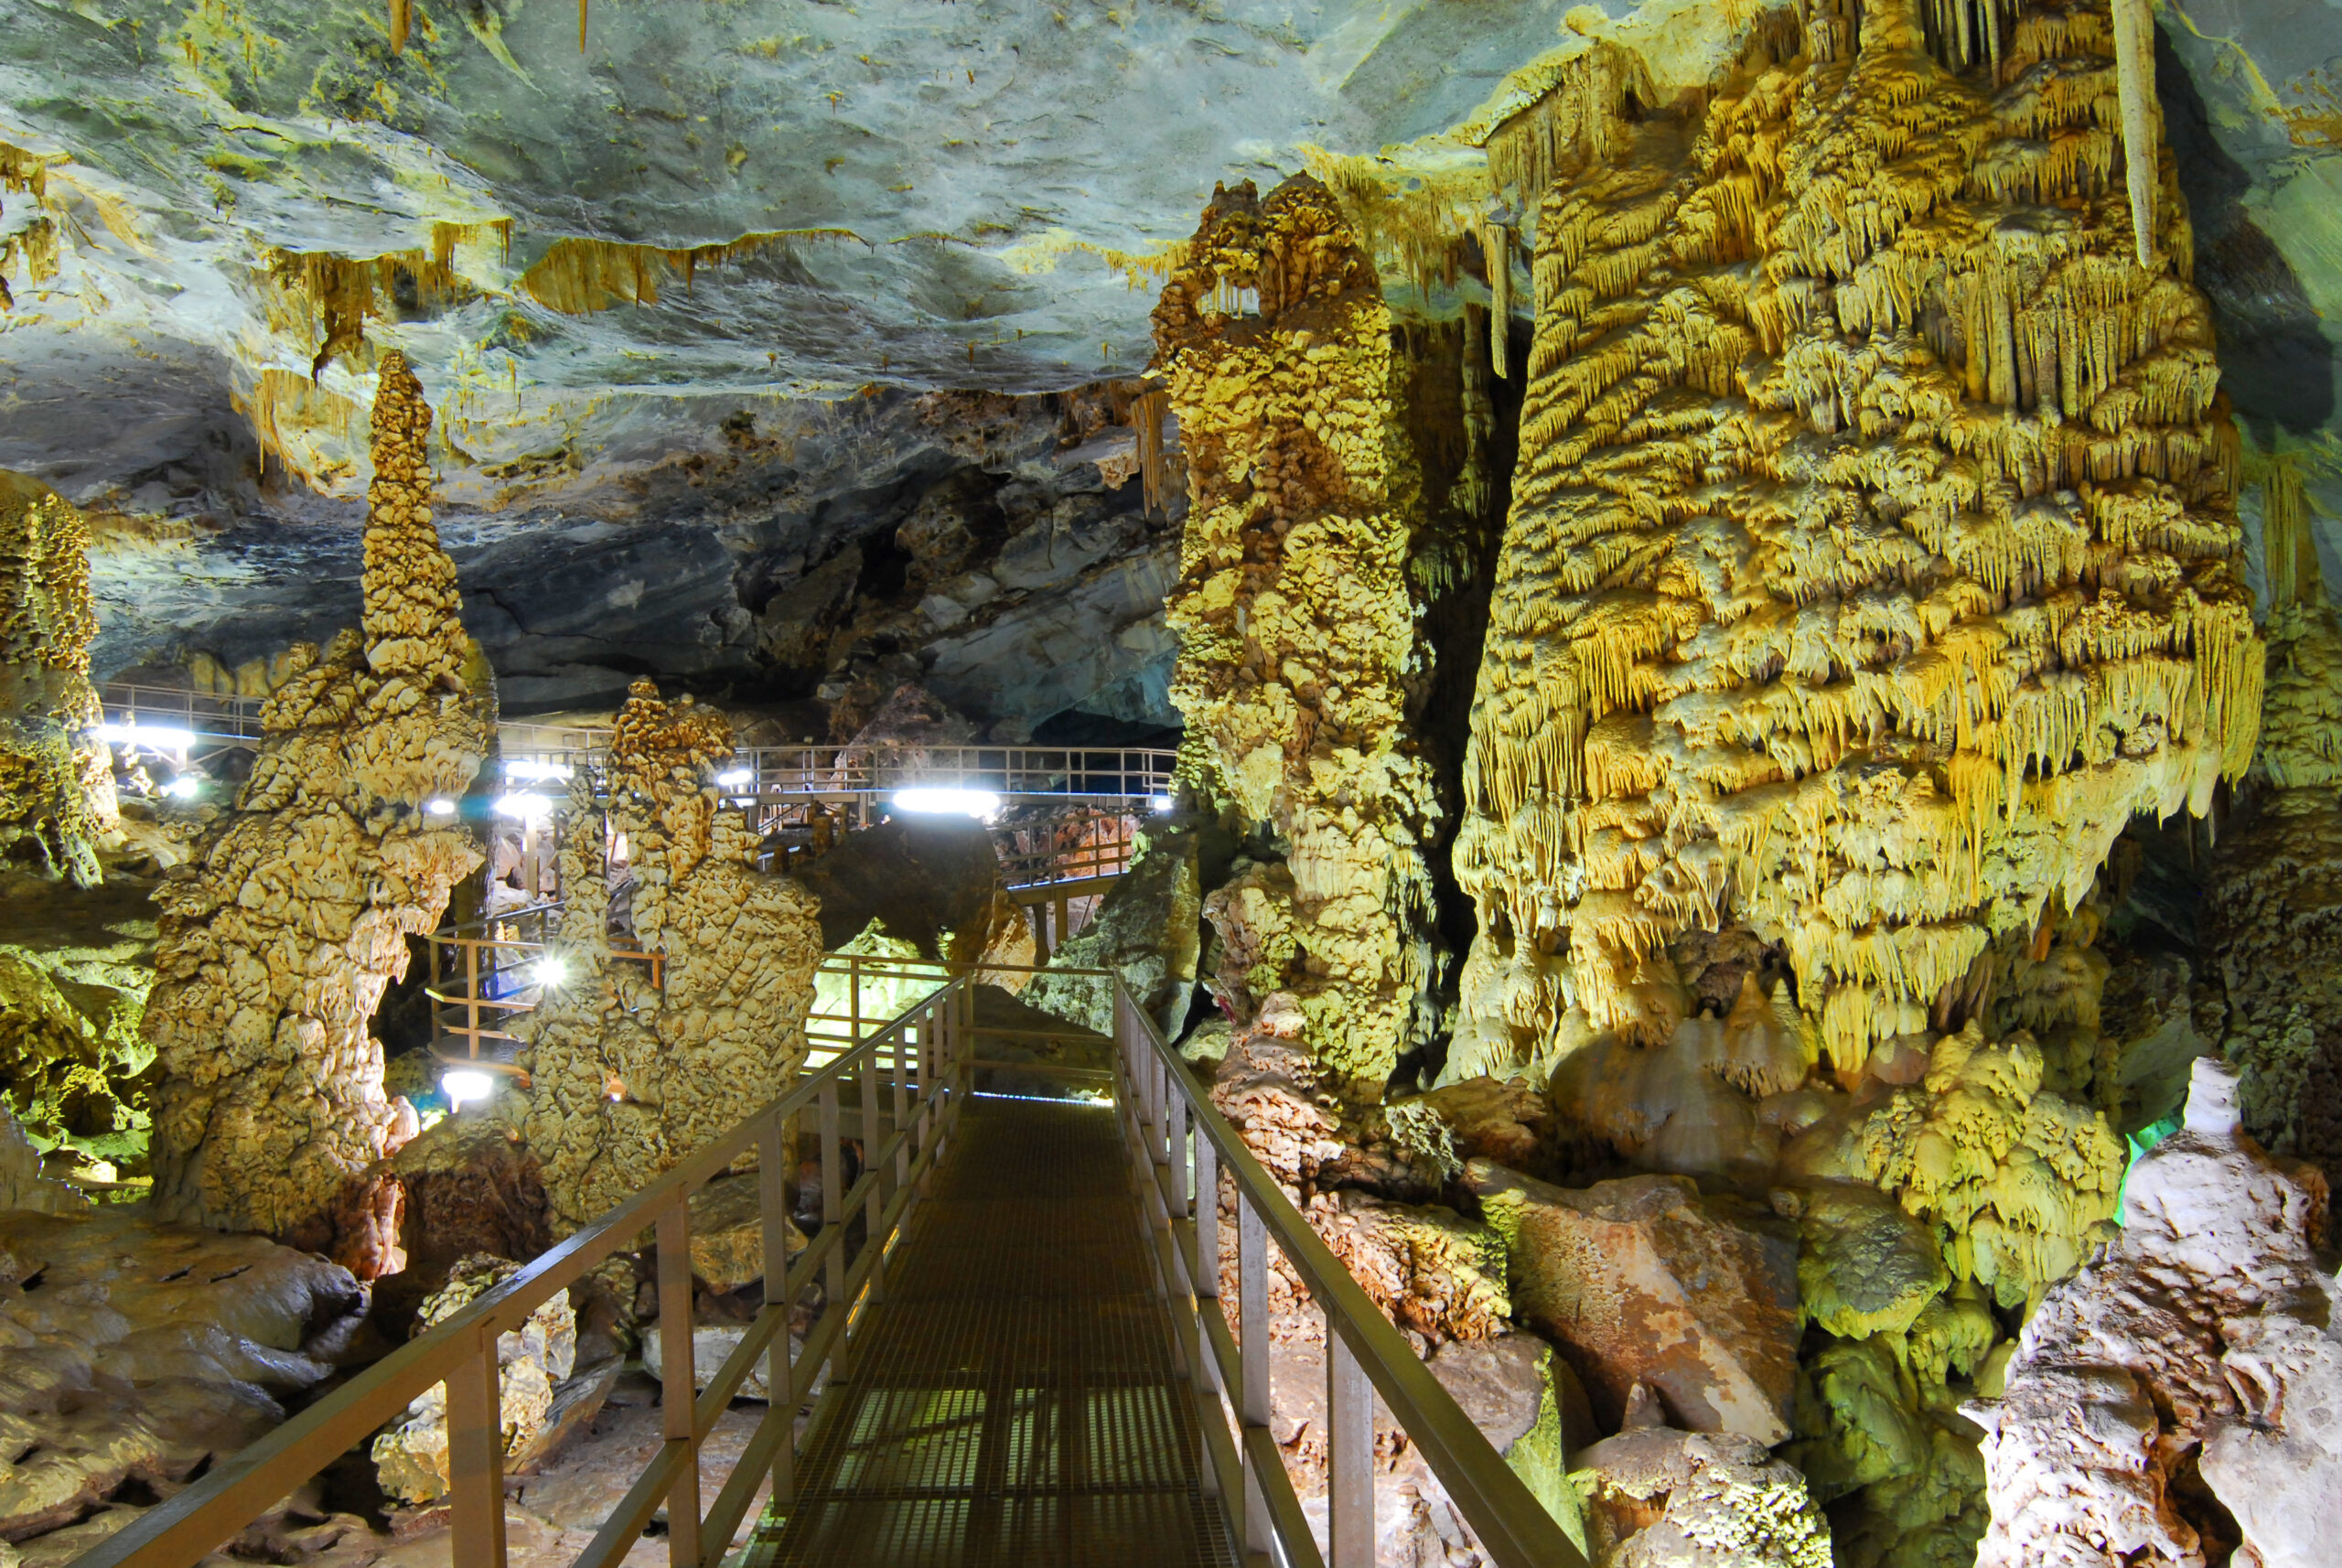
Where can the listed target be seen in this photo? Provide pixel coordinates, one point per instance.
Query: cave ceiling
(676, 295)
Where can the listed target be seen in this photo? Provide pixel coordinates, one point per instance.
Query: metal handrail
(1179, 1145)
(928, 1056)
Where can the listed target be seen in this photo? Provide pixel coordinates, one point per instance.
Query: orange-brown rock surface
(278, 938)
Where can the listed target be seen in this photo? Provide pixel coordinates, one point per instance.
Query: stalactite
(2134, 65)
(402, 19)
(1496, 246)
(278, 941)
(1297, 627)
(1154, 464)
(1867, 571)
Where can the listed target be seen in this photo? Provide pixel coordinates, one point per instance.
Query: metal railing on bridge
(911, 1080)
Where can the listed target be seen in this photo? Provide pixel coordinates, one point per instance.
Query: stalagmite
(56, 775)
(1299, 629)
(278, 938)
(1873, 554)
(653, 1039)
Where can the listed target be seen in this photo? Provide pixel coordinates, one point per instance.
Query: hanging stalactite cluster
(1873, 556)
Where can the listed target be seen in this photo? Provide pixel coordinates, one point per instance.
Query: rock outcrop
(278, 938)
(1644, 1282)
(57, 800)
(1298, 627)
(138, 1352)
(651, 1043)
(2199, 1353)
(410, 1459)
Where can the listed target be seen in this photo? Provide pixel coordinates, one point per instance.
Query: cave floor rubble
(1014, 1399)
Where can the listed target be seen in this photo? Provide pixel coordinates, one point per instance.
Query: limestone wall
(1299, 629)
(628, 1076)
(278, 938)
(1873, 551)
(56, 776)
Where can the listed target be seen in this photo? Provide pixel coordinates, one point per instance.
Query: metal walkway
(1014, 1398)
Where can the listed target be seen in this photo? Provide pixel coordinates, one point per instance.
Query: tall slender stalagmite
(1872, 554)
(56, 777)
(279, 936)
(1298, 627)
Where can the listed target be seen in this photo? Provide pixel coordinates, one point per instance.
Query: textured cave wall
(2275, 906)
(57, 800)
(626, 1078)
(1297, 623)
(279, 938)
(1874, 549)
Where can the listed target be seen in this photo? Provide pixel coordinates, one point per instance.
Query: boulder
(711, 1344)
(472, 1186)
(1531, 1409)
(1658, 1498)
(729, 1234)
(410, 1459)
(1865, 1264)
(1645, 1281)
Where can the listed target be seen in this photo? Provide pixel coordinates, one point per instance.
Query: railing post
(903, 1037)
(832, 1202)
(678, 1391)
(772, 1195)
(1253, 1357)
(476, 1458)
(874, 1205)
(1349, 1459)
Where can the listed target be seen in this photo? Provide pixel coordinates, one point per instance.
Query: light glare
(733, 777)
(551, 971)
(183, 788)
(440, 805)
(528, 808)
(139, 735)
(460, 1086)
(949, 802)
(528, 771)
(1161, 802)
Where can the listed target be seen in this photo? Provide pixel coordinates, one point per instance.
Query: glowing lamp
(733, 777)
(139, 735)
(184, 788)
(1160, 802)
(528, 808)
(948, 802)
(440, 805)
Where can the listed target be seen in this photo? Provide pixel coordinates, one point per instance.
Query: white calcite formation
(279, 938)
(2205, 1338)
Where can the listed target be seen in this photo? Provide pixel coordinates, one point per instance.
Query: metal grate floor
(1012, 1400)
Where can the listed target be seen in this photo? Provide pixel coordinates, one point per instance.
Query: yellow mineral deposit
(1873, 553)
(1297, 627)
(57, 800)
(632, 1068)
(275, 950)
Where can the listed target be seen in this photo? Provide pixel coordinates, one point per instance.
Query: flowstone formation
(57, 796)
(2187, 1384)
(1873, 550)
(279, 936)
(2277, 894)
(652, 1042)
(1299, 629)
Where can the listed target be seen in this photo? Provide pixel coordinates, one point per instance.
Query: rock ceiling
(218, 211)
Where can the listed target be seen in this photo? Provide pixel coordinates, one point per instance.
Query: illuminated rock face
(278, 938)
(1298, 630)
(1871, 556)
(628, 1076)
(56, 777)
(2207, 1322)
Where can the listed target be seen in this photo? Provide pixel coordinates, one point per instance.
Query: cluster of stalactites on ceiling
(1874, 555)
